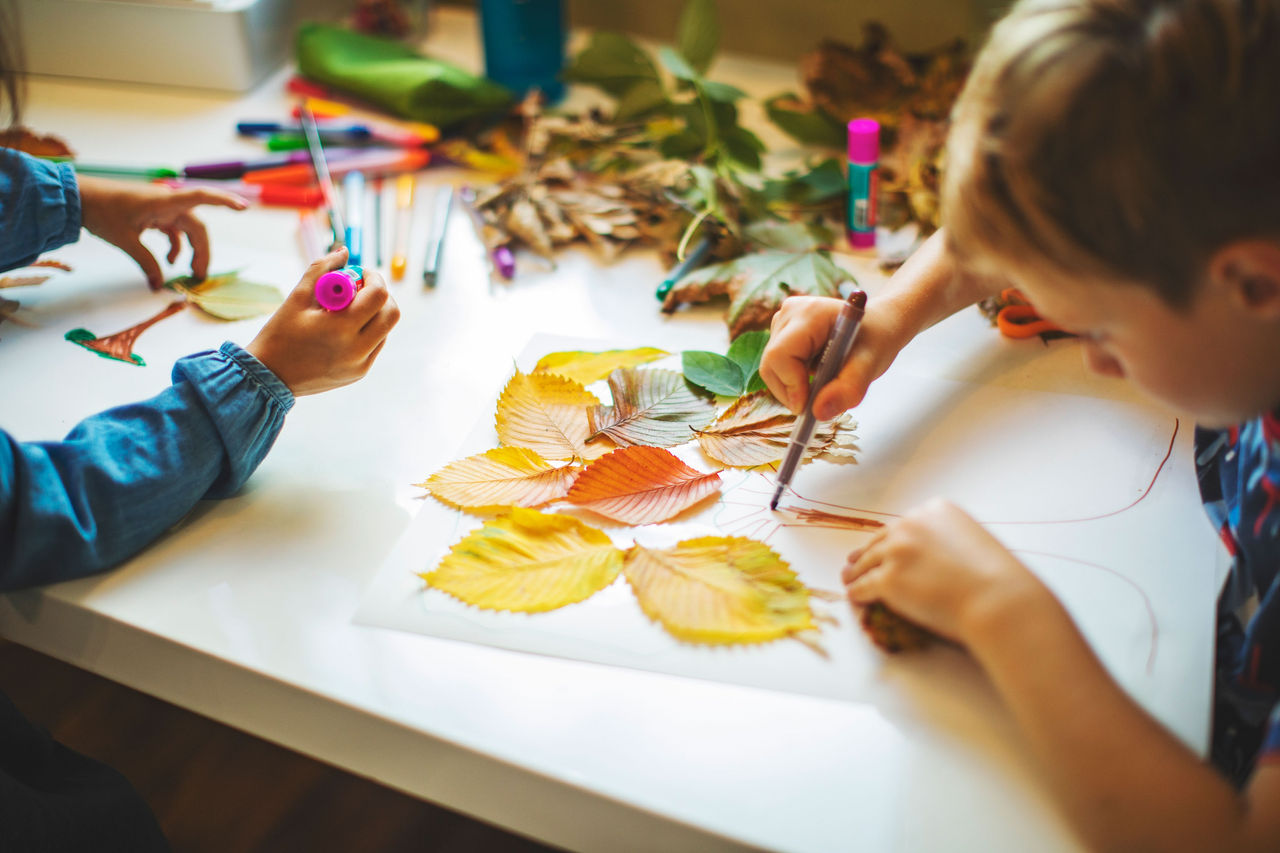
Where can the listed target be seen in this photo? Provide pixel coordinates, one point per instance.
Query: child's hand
(118, 212)
(939, 568)
(798, 335)
(313, 350)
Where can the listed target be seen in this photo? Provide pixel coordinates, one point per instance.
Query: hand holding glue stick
(336, 289)
(313, 349)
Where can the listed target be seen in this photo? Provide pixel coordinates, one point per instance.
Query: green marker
(691, 261)
(124, 171)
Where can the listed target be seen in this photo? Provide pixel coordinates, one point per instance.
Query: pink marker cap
(335, 290)
(864, 140)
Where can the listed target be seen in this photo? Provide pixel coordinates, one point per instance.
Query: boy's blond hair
(1123, 140)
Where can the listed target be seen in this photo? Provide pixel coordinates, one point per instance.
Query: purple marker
(864, 153)
(335, 290)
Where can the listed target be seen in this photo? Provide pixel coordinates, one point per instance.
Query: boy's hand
(119, 211)
(797, 337)
(313, 350)
(939, 568)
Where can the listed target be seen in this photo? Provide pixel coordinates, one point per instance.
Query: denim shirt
(122, 477)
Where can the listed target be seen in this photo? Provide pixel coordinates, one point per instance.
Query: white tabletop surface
(243, 612)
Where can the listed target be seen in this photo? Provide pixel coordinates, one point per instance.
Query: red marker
(377, 162)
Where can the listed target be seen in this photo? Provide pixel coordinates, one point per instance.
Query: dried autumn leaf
(501, 477)
(588, 367)
(757, 283)
(523, 221)
(641, 485)
(656, 408)
(719, 589)
(548, 415)
(893, 633)
(528, 561)
(227, 296)
(756, 428)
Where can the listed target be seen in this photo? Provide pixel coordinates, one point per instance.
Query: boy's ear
(1247, 272)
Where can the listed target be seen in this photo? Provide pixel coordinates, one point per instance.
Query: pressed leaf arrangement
(562, 446)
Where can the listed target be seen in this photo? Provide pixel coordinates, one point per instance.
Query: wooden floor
(217, 789)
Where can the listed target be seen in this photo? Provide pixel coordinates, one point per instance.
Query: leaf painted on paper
(548, 415)
(588, 367)
(641, 485)
(501, 477)
(730, 375)
(655, 408)
(719, 589)
(528, 561)
(227, 296)
(756, 428)
(120, 345)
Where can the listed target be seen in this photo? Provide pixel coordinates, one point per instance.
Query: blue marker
(353, 197)
(691, 261)
(864, 153)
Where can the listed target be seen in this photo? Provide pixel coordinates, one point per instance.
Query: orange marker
(374, 162)
(404, 212)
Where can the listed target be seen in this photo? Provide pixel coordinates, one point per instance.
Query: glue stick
(864, 152)
(335, 290)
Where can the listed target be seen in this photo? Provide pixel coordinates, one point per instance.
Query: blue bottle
(524, 44)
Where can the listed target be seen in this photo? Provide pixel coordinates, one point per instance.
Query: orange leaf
(548, 415)
(641, 485)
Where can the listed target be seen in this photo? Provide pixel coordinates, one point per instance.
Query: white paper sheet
(1097, 496)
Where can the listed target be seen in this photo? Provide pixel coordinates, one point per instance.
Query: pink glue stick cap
(864, 140)
(335, 290)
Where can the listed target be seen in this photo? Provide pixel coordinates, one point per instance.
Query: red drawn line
(1146, 601)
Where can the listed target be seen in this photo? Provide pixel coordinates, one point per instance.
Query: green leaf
(712, 371)
(742, 146)
(821, 184)
(613, 63)
(698, 34)
(745, 351)
(675, 63)
(722, 91)
(810, 126)
(778, 234)
(643, 97)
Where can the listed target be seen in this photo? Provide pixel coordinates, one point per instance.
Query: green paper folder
(395, 77)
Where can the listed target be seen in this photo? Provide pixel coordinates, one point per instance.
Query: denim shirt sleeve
(39, 207)
(122, 477)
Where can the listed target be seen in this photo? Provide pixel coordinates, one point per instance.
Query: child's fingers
(175, 243)
(198, 237)
(193, 197)
(142, 257)
(381, 324)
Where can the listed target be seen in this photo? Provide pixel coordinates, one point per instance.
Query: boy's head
(1126, 142)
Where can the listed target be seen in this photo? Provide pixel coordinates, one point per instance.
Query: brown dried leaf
(756, 428)
(655, 408)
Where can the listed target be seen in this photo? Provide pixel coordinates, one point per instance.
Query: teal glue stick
(864, 154)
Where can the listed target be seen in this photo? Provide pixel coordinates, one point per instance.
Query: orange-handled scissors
(1019, 319)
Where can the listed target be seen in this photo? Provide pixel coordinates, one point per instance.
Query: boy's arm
(122, 477)
(1127, 783)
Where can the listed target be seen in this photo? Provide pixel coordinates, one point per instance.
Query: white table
(243, 612)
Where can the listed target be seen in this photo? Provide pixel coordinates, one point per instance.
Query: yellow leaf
(227, 296)
(528, 561)
(588, 367)
(719, 589)
(641, 485)
(548, 415)
(502, 477)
